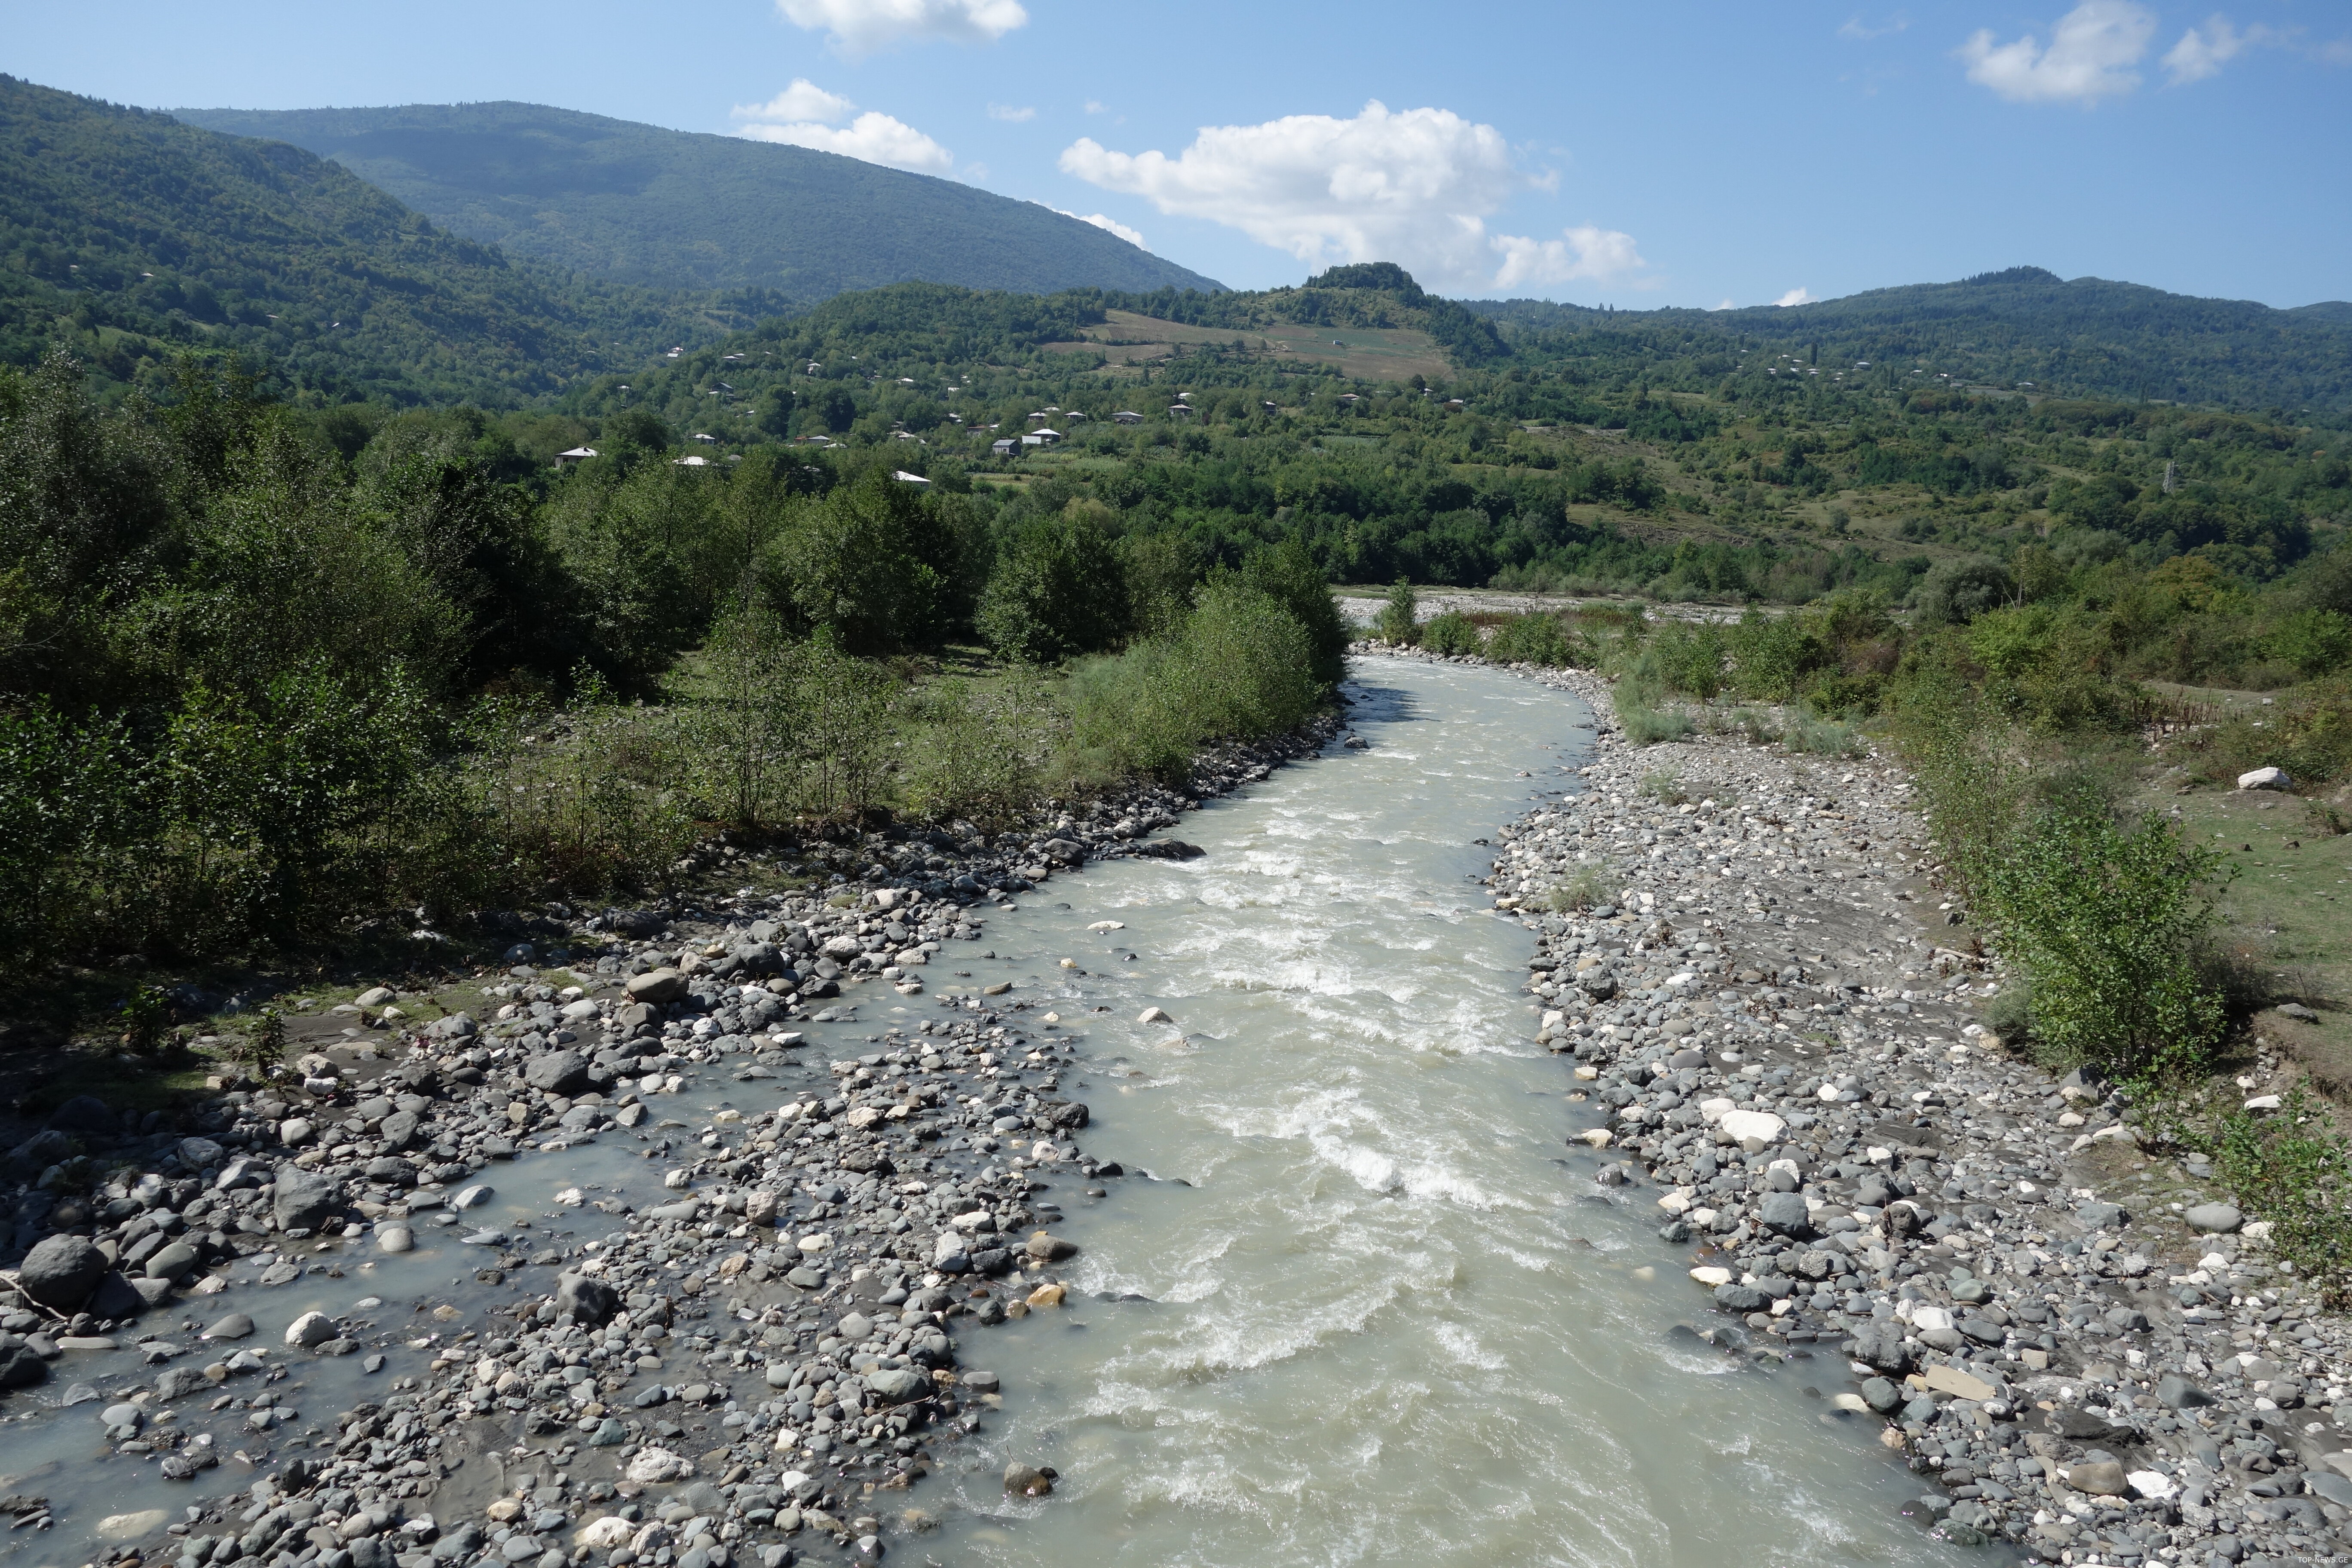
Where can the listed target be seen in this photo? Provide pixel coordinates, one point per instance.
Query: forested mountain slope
(673, 209)
(132, 236)
(2086, 335)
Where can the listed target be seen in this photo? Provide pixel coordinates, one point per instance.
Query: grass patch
(2290, 1168)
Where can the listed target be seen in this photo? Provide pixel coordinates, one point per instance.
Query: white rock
(2265, 778)
(310, 1329)
(472, 1197)
(1599, 1137)
(1107, 925)
(571, 1197)
(132, 1526)
(1930, 1317)
(1152, 1015)
(375, 995)
(2151, 1484)
(817, 1241)
(604, 1535)
(295, 1131)
(1712, 1110)
(1760, 1125)
(2263, 1102)
(658, 1465)
(1710, 1274)
(395, 1238)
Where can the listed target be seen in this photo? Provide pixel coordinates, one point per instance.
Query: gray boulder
(658, 987)
(897, 1386)
(2214, 1219)
(556, 1072)
(174, 1261)
(1785, 1213)
(303, 1199)
(62, 1271)
(119, 1298)
(85, 1113)
(1880, 1345)
(585, 1300)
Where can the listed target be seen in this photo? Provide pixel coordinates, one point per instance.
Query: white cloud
(2091, 53)
(1727, 304)
(1584, 253)
(1856, 29)
(1793, 297)
(1108, 226)
(864, 26)
(1096, 106)
(804, 101)
(873, 137)
(1007, 111)
(2203, 51)
(1414, 187)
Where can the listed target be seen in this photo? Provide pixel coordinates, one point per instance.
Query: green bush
(2315, 641)
(977, 752)
(1532, 638)
(1688, 658)
(1451, 633)
(1059, 589)
(1396, 624)
(2106, 919)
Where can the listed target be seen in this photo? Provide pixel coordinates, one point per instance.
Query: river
(1358, 1300)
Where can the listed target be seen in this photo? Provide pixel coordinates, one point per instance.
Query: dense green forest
(674, 209)
(135, 239)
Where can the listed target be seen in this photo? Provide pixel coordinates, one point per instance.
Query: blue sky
(1641, 155)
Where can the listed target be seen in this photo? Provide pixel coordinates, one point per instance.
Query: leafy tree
(1059, 589)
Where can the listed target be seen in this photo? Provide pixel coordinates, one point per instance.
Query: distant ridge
(2082, 335)
(682, 210)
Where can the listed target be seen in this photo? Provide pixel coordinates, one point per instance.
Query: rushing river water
(1380, 1312)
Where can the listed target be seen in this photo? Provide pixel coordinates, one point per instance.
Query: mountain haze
(683, 210)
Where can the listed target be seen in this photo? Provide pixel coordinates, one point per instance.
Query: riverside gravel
(1770, 1026)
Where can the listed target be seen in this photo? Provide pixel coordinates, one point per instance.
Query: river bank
(2073, 1344)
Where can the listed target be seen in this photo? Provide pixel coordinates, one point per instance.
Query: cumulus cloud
(1414, 187)
(806, 115)
(1108, 226)
(1727, 304)
(2091, 55)
(865, 27)
(804, 101)
(1793, 297)
(1010, 113)
(1585, 253)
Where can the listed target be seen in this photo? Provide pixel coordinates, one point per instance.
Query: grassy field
(1126, 338)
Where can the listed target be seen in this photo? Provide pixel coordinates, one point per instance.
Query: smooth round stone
(395, 1238)
(125, 1414)
(857, 1326)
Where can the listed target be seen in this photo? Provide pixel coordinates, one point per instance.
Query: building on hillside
(1042, 438)
(577, 455)
(692, 461)
(904, 477)
(1003, 448)
(1180, 411)
(706, 438)
(1127, 417)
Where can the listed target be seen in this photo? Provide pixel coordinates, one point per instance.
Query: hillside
(673, 209)
(2084, 336)
(130, 236)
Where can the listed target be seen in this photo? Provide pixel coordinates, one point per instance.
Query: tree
(1398, 614)
(1059, 589)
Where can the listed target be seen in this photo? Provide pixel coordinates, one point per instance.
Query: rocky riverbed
(1770, 1012)
(753, 1366)
(750, 1345)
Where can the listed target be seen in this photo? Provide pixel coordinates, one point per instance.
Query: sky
(1698, 153)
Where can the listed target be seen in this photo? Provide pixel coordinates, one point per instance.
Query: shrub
(976, 752)
(2289, 1167)
(1648, 727)
(262, 1046)
(1688, 658)
(1582, 889)
(1663, 786)
(1451, 633)
(2106, 919)
(1396, 624)
(1532, 638)
(1816, 739)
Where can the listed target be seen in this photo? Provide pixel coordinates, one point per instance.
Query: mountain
(2084, 336)
(676, 209)
(130, 236)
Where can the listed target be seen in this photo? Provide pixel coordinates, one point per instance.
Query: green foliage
(1398, 622)
(145, 1017)
(1239, 670)
(2106, 918)
(1286, 573)
(1663, 786)
(2289, 1167)
(2315, 642)
(1533, 638)
(674, 209)
(979, 752)
(1059, 589)
(1582, 889)
(1451, 632)
(261, 1047)
(140, 235)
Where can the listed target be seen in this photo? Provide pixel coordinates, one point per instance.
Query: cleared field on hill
(1386, 353)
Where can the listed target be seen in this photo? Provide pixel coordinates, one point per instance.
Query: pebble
(2087, 1357)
